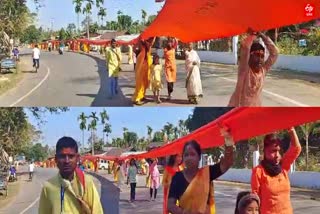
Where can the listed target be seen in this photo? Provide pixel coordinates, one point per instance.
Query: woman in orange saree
(173, 166)
(193, 187)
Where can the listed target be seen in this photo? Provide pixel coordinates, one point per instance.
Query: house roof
(113, 34)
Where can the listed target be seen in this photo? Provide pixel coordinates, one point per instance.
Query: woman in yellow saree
(193, 187)
(173, 166)
(144, 62)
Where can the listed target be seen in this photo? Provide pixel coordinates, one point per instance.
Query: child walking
(155, 179)
(132, 179)
(155, 78)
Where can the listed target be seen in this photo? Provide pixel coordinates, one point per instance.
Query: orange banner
(244, 123)
(194, 20)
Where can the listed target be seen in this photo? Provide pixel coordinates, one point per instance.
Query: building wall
(309, 180)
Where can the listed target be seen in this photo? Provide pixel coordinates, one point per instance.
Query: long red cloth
(194, 20)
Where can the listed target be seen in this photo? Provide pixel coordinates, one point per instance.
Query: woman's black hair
(194, 144)
(239, 196)
(171, 160)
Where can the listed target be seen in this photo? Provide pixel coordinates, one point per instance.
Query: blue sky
(62, 11)
(135, 119)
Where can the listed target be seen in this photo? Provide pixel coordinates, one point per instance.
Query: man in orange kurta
(170, 66)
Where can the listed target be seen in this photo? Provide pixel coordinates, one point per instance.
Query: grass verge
(10, 80)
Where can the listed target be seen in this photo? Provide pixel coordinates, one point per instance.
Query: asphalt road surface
(75, 79)
(114, 201)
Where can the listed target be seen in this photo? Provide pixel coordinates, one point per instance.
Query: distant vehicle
(103, 164)
(8, 65)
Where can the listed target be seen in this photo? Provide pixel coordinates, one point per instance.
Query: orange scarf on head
(195, 198)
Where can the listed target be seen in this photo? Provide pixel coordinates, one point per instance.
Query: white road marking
(267, 92)
(221, 193)
(32, 90)
(32, 204)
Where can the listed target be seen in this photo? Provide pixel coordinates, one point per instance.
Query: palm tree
(307, 129)
(104, 118)
(107, 130)
(93, 127)
(168, 129)
(102, 13)
(125, 131)
(83, 124)
(77, 9)
(181, 125)
(143, 16)
(176, 132)
(149, 132)
(88, 10)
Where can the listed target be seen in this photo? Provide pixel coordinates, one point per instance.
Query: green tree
(83, 125)
(143, 16)
(16, 132)
(158, 136)
(62, 34)
(104, 119)
(31, 35)
(93, 127)
(168, 130)
(203, 116)
(94, 28)
(107, 130)
(102, 13)
(149, 130)
(37, 152)
(125, 131)
(78, 9)
(308, 129)
(71, 30)
(151, 19)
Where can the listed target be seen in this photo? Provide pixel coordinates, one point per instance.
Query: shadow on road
(110, 195)
(101, 99)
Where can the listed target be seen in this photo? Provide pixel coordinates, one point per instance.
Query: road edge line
(32, 90)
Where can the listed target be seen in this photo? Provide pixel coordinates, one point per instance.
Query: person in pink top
(252, 70)
(155, 179)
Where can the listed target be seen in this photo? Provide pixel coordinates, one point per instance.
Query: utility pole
(52, 20)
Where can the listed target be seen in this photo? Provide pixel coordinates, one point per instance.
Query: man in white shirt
(31, 169)
(36, 56)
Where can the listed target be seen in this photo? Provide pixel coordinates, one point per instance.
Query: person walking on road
(170, 66)
(36, 56)
(31, 170)
(155, 179)
(70, 191)
(252, 70)
(132, 179)
(113, 60)
(193, 81)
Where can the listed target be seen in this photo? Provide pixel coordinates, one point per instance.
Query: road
(80, 80)
(115, 202)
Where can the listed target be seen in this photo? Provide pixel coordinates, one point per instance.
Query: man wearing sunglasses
(70, 191)
(252, 69)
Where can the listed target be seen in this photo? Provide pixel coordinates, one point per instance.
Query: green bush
(313, 164)
(289, 46)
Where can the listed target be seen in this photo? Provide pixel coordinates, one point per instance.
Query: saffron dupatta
(195, 198)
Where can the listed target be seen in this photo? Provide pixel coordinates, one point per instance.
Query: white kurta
(194, 85)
